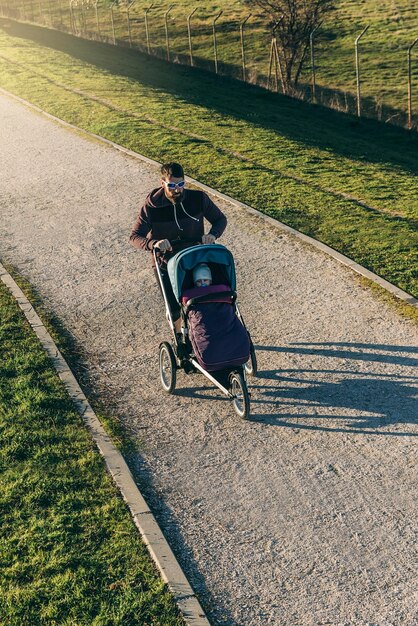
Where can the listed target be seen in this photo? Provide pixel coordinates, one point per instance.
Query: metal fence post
(190, 35)
(128, 6)
(32, 14)
(81, 18)
(279, 64)
(275, 58)
(358, 70)
(146, 27)
(84, 10)
(79, 14)
(72, 19)
(215, 43)
(241, 32)
(272, 60)
(167, 42)
(311, 39)
(45, 13)
(410, 85)
(50, 12)
(60, 11)
(112, 22)
(96, 8)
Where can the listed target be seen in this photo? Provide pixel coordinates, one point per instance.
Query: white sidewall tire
(241, 400)
(168, 367)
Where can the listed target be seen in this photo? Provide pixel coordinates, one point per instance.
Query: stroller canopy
(187, 259)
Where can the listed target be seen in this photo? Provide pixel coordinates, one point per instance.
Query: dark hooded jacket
(160, 218)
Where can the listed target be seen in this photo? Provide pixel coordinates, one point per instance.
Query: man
(172, 218)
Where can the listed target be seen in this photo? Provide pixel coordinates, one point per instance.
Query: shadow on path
(379, 399)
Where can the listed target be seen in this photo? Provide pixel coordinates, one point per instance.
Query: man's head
(172, 179)
(202, 276)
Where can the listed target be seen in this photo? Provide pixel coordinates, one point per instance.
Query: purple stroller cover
(217, 335)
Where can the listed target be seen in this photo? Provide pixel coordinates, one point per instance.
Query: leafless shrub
(292, 22)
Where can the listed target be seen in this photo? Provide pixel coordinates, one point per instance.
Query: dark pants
(174, 306)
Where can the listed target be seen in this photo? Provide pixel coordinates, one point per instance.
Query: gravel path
(303, 515)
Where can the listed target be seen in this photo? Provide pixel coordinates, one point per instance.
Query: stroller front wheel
(240, 396)
(167, 362)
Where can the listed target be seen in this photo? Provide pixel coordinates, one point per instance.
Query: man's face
(173, 187)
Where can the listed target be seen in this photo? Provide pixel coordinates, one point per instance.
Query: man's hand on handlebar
(163, 245)
(208, 238)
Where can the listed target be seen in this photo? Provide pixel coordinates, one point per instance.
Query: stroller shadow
(381, 399)
(202, 393)
(353, 351)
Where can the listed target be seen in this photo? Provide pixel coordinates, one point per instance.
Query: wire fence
(119, 23)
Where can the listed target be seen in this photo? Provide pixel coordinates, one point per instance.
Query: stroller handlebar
(180, 242)
(177, 245)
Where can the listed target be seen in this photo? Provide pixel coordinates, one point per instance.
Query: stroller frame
(181, 357)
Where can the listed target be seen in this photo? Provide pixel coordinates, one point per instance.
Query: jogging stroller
(214, 339)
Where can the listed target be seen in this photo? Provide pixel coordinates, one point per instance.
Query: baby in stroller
(218, 338)
(202, 276)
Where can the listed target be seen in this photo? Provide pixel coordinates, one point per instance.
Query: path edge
(341, 258)
(144, 520)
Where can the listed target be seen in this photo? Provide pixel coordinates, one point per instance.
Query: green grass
(242, 140)
(393, 27)
(69, 551)
(403, 309)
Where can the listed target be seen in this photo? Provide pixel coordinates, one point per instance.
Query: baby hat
(202, 271)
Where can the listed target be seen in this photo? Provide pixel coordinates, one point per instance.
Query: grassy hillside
(350, 184)
(393, 27)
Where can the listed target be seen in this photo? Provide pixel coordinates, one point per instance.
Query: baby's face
(203, 282)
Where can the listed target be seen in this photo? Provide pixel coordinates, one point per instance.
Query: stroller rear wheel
(167, 362)
(239, 391)
(251, 365)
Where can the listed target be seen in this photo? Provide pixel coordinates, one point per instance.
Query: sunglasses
(180, 185)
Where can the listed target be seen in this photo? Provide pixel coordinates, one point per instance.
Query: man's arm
(140, 234)
(214, 215)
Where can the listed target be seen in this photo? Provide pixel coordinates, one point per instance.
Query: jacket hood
(157, 198)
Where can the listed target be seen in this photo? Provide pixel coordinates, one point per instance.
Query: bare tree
(291, 22)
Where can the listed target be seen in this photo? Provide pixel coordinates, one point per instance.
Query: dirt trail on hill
(303, 515)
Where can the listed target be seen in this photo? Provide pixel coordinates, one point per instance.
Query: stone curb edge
(359, 269)
(146, 523)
